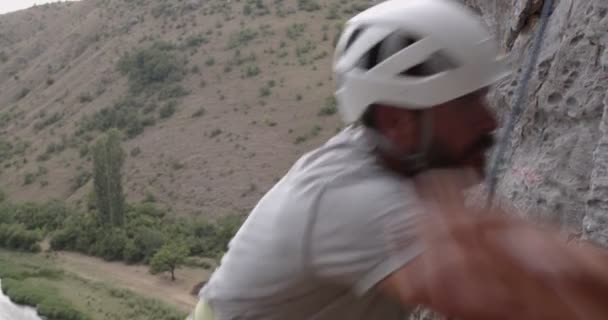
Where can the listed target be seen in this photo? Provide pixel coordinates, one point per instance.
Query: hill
(215, 98)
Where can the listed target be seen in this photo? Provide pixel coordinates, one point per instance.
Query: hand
(493, 265)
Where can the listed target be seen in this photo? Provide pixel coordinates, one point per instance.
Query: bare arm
(494, 266)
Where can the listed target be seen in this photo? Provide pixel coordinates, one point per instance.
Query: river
(11, 311)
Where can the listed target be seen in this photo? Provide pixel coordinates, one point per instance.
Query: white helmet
(413, 54)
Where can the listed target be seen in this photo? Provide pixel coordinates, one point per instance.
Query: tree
(168, 258)
(108, 159)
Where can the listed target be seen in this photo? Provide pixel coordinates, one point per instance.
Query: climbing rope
(498, 159)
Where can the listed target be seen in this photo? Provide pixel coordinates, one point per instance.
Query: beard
(437, 157)
(473, 157)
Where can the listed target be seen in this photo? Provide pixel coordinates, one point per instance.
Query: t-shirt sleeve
(364, 232)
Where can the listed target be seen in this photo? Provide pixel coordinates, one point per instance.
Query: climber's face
(461, 131)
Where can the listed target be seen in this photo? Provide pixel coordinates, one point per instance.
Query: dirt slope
(137, 278)
(256, 73)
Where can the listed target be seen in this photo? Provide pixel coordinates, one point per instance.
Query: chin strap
(410, 163)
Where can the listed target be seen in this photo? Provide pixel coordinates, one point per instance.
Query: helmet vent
(352, 38)
(437, 63)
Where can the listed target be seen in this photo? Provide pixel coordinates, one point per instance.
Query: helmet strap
(412, 163)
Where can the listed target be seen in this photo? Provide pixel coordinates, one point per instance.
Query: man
(342, 234)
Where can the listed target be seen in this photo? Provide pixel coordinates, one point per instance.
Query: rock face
(557, 164)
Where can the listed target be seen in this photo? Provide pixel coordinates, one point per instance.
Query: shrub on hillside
(295, 31)
(195, 41)
(46, 217)
(308, 5)
(251, 71)
(111, 245)
(81, 178)
(152, 66)
(28, 179)
(22, 93)
(241, 38)
(330, 107)
(123, 115)
(168, 109)
(146, 242)
(55, 117)
(85, 97)
(16, 237)
(78, 233)
(199, 112)
(332, 13)
(147, 228)
(175, 91)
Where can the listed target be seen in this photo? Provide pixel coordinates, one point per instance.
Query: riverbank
(98, 289)
(10, 310)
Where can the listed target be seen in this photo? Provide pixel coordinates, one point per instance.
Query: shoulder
(375, 190)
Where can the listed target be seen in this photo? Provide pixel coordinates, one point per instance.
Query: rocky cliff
(557, 164)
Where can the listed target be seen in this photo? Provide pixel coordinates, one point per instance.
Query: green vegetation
(108, 159)
(147, 229)
(172, 92)
(241, 38)
(168, 258)
(85, 97)
(265, 91)
(151, 68)
(31, 291)
(355, 8)
(5, 118)
(168, 109)
(199, 113)
(195, 41)
(164, 9)
(80, 179)
(28, 179)
(122, 115)
(47, 121)
(135, 152)
(332, 13)
(16, 237)
(111, 228)
(128, 114)
(8, 150)
(296, 30)
(61, 295)
(312, 133)
(22, 94)
(330, 107)
(31, 177)
(215, 133)
(255, 7)
(309, 5)
(22, 226)
(55, 148)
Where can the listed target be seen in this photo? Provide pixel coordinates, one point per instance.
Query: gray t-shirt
(319, 241)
